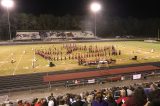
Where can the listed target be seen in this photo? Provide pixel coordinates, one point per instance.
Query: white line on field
(18, 63)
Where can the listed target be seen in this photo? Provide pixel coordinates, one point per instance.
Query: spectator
(89, 99)
(8, 103)
(155, 102)
(27, 103)
(123, 98)
(62, 102)
(110, 100)
(20, 103)
(153, 96)
(51, 101)
(99, 101)
(153, 87)
(137, 99)
(78, 101)
(44, 102)
(51, 98)
(38, 103)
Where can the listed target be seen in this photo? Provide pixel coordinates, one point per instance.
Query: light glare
(7, 3)
(95, 7)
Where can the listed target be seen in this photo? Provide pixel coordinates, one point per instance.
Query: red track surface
(98, 73)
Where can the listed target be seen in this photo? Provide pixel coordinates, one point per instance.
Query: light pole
(8, 4)
(95, 7)
(158, 34)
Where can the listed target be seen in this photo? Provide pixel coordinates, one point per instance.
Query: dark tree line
(115, 26)
(106, 26)
(42, 22)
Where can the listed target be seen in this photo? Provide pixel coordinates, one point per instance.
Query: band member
(57, 58)
(69, 57)
(12, 61)
(119, 52)
(61, 58)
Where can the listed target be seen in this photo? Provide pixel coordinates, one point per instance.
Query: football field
(21, 59)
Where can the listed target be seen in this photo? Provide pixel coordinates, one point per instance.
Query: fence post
(9, 93)
(30, 90)
(50, 87)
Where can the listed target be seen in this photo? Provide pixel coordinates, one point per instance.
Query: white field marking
(2, 63)
(154, 56)
(26, 68)
(146, 52)
(18, 63)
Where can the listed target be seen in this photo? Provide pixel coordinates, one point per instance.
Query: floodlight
(95, 7)
(7, 3)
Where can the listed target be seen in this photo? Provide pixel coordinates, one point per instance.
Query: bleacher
(27, 36)
(53, 35)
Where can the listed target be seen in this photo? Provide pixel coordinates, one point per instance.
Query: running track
(77, 75)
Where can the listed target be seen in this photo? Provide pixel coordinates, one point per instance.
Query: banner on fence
(91, 81)
(137, 76)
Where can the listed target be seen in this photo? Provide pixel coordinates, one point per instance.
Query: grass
(23, 64)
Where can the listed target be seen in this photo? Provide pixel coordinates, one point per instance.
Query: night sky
(120, 8)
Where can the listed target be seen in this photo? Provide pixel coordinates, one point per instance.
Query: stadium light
(8, 4)
(95, 7)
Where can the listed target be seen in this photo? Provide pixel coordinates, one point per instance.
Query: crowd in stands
(63, 34)
(49, 35)
(145, 94)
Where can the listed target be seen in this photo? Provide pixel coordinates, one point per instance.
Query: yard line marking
(18, 63)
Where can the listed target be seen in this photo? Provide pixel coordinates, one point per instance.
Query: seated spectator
(99, 101)
(89, 99)
(129, 92)
(20, 103)
(123, 97)
(153, 87)
(116, 94)
(8, 103)
(153, 96)
(27, 103)
(155, 102)
(38, 103)
(78, 101)
(34, 101)
(51, 101)
(147, 90)
(62, 102)
(110, 100)
(44, 102)
(137, 99)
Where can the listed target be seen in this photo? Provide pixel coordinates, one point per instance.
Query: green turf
(23, 60)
